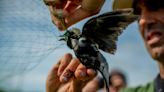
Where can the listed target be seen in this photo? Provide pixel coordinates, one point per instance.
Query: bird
(98, 33)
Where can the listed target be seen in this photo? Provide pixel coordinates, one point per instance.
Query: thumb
(53, 82)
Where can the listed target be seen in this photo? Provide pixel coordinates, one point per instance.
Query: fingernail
(68, 74)
(65, 79)
(82, 74)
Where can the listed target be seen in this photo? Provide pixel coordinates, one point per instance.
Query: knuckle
(76, 60)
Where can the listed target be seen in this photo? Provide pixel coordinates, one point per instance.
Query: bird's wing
(105, 29)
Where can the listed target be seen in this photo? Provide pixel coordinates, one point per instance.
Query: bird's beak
(62, 38)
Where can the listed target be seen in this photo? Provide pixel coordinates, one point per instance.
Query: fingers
(71, 67)
(84, 74)
(87, 9)
(67, 69)
(91, 72)
(64, 63)
(81, 72)
(73, 10)
(71, 6)
(68, 73)
(76, 16)
(53, 82)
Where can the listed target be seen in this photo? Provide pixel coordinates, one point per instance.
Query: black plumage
(99, 32)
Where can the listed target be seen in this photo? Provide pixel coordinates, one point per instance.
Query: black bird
(99, 32)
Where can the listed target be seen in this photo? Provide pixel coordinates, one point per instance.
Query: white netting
(27, 35)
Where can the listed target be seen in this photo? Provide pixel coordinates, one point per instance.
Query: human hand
(72, 10)
(68, 75)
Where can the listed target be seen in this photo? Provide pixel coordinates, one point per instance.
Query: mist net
(27, 35)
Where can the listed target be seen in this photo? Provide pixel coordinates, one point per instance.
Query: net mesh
(27, 35)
